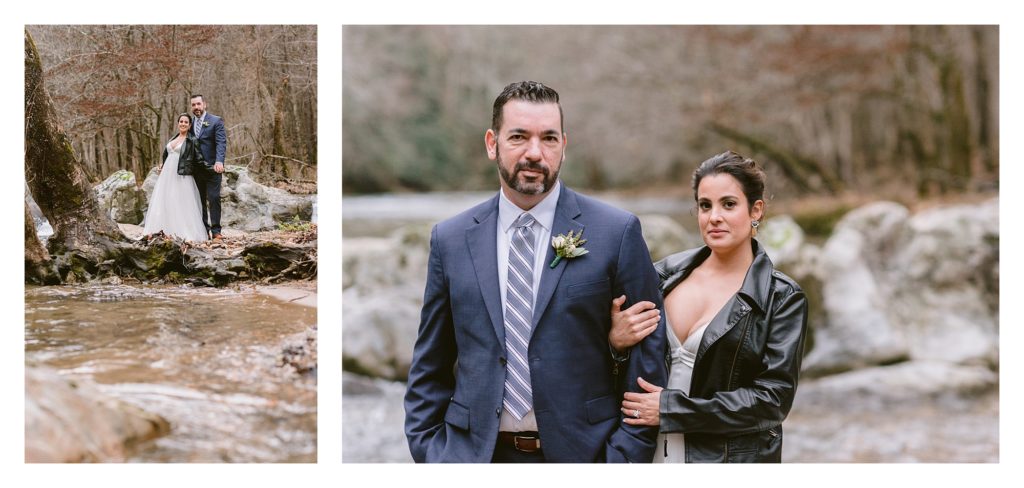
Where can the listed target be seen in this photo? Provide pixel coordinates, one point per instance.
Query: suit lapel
(565, 214)
(482, 241)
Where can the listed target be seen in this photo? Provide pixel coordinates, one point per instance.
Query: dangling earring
(753, 228)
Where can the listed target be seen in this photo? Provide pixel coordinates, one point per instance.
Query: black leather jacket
(746, 369)
(190, 160)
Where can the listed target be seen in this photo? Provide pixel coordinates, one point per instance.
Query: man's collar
(543, 212)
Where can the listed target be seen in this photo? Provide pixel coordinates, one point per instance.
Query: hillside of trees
(826, 109)
(118, 89)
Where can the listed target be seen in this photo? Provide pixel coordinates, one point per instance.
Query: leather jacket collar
(756, 285)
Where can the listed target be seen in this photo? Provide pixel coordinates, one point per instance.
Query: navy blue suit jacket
(213, 140)
(456, 381)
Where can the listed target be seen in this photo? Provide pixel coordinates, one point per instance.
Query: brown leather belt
(520, 441)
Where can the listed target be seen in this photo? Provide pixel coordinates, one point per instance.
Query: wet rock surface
(232, 370)
(299, 352)
(267, 257)
(884, 414)
(70, 420)
(373, 421)
(913, 412)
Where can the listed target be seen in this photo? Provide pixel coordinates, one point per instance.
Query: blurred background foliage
(902, 112)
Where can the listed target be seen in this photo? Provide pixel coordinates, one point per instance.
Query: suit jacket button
(502, 361)
(497, 412)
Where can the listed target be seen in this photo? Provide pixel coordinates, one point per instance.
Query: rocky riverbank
(881, 414)
(128, 367)
(270, 236)
(904, 331)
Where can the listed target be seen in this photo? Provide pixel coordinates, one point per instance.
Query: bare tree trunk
(985, 117)
(56, 180)
(957, 122)
(38, 265)
(279, 103)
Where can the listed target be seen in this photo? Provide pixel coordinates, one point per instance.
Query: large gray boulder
(859, 328)
(382, 282)
(665, 236)
(946, 295)
(901, 287)
(250, 206)
(71, 421)
(374, 420)
(120, 197)
(911, 381)
(380, 330)
(783, 239)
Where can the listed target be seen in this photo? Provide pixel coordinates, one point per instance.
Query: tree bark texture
(57, 182)
(38, 265)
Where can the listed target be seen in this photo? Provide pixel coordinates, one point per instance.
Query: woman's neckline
(179, 144)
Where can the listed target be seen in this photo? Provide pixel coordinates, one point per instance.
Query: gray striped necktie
(198, 126)
(519, 317)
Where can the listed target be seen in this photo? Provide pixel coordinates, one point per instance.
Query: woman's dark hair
(745, 170)
(183, 114)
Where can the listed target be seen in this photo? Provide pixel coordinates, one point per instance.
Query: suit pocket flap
(601, 408)
(588, 288)
(457, 416)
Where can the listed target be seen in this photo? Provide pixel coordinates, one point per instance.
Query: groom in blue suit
(213, 143)
(512, 361)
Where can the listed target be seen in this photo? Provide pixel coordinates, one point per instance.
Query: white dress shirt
(508, 213)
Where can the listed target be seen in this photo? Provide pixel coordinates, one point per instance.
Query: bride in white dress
(735, 328)
(174, 207)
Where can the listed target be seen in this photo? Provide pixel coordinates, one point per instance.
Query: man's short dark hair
(197, 95)
(529, 91)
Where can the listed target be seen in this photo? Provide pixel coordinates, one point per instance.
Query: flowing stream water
(207, 360)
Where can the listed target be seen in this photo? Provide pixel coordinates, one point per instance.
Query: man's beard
(526, 188)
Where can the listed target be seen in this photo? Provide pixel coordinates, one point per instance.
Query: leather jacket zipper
(732, 368)
(743, 339)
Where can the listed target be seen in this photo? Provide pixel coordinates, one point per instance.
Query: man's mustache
(532, 167)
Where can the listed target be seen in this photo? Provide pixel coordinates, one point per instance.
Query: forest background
(118, 89)
(899, 111)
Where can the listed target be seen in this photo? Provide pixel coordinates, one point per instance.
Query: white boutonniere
(568, 247)
(205, 124)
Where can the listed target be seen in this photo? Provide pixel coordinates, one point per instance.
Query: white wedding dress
(174, 207)
(671, 447)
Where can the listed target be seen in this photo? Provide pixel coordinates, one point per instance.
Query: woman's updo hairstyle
(746, 171)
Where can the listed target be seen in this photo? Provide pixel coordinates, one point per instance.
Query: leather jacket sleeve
(762, 403)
